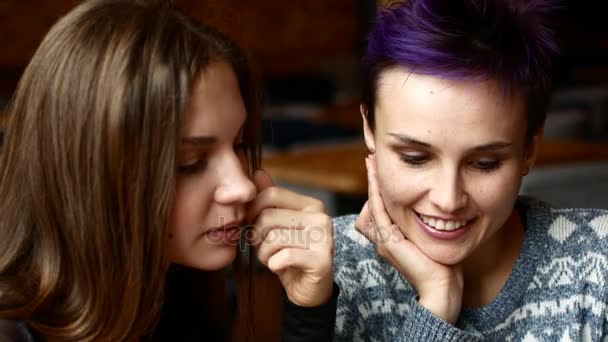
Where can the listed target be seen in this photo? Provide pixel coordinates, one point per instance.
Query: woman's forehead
(410, 102)
(215, 106)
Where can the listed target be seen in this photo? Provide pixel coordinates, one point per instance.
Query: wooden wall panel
(285, 37)
(23, 24)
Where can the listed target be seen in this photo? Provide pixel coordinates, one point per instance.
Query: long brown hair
(87, 171)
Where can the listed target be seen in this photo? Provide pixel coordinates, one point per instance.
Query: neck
(487, 269)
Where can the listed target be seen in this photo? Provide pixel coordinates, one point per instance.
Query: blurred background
(308, 53)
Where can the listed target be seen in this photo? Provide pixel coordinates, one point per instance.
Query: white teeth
(441, 224)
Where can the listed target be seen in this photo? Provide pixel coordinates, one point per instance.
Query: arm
(294, 238)
(386, 310)
(439, 287)
(390, 290)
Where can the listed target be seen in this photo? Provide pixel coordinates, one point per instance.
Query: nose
(235, 186)
(448, 193)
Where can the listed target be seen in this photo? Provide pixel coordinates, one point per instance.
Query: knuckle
(323, 220)
(313, 205)
(272, 193)
(317, 205)
(262, 219)
(266, 218)
(286, 253)
(262, 257)
(272, 236)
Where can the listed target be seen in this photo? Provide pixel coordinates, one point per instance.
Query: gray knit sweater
(557, 291)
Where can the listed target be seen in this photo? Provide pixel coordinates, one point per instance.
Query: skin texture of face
(212, 186)
(450, 150)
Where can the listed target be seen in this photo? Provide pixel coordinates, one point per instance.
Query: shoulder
(15, 331)
(350, 244)
(572, 240)
(568, 227)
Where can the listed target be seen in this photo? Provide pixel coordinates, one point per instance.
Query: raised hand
(439, 287)
(294, 239)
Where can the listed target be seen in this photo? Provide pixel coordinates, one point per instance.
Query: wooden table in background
(341, 168)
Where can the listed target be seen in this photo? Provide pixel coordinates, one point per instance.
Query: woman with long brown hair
(126, 178)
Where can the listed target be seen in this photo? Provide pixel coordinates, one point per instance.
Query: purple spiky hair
(506, 40)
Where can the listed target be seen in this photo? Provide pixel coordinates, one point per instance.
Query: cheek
(399, 186)
(496, 194)
(190, 206)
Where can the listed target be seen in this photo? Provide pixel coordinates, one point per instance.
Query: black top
(300, 324)
(316, 324)
(16, 331)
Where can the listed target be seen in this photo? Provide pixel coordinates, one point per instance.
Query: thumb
(262, 180)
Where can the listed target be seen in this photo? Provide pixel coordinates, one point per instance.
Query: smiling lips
(440, 224)
(443, 229)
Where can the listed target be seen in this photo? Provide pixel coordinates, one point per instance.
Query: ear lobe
(367, 131)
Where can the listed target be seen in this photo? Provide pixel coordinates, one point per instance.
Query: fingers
(262, 180)
(382, 222)
(278, 229)
(306, 275)
(290, 245)
(293, 237)
(279, 239)
(317, 226)
(276, 197)
(291, 257)
(365, 225)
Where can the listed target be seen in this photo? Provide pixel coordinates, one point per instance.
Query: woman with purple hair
(454, 101)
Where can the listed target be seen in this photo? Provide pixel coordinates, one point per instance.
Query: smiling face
(450, 157)
(212, 187)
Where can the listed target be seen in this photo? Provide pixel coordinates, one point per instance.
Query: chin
(448, 256)
(213, 260)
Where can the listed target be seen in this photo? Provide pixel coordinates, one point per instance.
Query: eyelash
(487, 166)
(420, 160)
(194, 167)
(417, 160)
(201, 163)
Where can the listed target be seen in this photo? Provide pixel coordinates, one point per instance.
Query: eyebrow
(408, 140)
(493, 146)
(200, 141)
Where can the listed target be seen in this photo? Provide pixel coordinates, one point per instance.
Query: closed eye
(488, 165)
(192, 166)
(414, 159)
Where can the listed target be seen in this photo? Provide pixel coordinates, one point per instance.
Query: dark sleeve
(15, 331)
(309, 324)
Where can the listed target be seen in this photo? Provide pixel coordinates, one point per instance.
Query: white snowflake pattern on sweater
(557, 291)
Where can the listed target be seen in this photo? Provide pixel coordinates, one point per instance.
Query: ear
(532, 150)
(367, 131)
